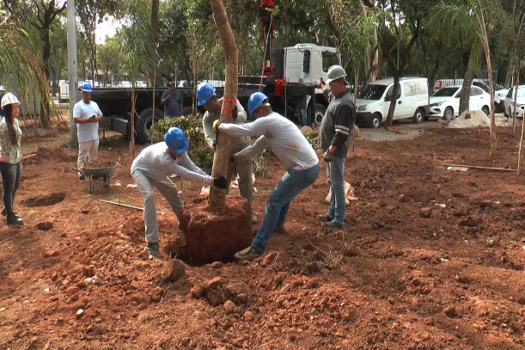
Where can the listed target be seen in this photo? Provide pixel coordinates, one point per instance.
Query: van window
(329, 59)
(372, 92)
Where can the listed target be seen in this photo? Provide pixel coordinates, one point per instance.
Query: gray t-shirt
(236, 143)
(284, 137)
(172, 107)
(156, 163)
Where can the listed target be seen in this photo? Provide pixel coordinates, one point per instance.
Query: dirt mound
(216, 234)
(477, 119)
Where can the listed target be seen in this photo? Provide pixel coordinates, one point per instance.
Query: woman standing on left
(10, 155)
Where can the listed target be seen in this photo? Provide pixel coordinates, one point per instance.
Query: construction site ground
(429, 258)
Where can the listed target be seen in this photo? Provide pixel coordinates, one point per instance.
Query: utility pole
(72, 68)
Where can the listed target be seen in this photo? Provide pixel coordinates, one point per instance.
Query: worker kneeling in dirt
(207, 98)
(294, 153)
(152, 168)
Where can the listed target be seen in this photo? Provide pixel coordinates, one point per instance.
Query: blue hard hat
(176, 140)
(255, 101)
(86, 87)
(204, 92)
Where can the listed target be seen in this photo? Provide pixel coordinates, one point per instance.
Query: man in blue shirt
(172, 101)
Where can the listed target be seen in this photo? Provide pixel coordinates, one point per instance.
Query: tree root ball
(216, 234)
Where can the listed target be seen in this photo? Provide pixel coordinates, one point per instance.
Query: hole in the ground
(44, 200)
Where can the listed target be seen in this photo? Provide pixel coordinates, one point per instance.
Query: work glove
(215, 125)
(219, 182)
(234, 113)
(327, 157)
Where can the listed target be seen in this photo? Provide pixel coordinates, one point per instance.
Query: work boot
(254, 218)
(333, 225)
(153, 250)
(4, 213)
(247, 254)
(324, 217)
(81, 178)
(280, 230)
(14, 220)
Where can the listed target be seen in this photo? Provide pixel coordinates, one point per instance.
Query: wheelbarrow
(102, 175)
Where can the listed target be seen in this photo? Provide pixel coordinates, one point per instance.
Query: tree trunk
(391, 109)
(221, 158)
(155, 30)
(510, 72)
(465, 90)
(515, 101)
(46, 54)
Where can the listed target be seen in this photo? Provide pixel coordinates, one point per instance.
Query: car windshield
(445, 92)
(372, 92)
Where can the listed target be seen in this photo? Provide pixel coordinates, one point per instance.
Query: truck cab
(309, 62)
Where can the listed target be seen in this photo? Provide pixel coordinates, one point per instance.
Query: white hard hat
(8, 99)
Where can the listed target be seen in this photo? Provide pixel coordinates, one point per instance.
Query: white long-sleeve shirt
(286, 140)
(156, 163)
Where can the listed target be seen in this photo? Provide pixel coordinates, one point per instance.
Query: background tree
(19, 62)
(137, 46)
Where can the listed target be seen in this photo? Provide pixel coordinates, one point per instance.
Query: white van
(374, 99)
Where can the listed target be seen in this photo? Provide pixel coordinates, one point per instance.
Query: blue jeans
(291, 184)
(335, 172)
(303, 116)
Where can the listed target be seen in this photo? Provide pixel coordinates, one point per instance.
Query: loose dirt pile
(477, 119)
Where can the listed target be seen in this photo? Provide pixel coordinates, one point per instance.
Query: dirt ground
(429, 259)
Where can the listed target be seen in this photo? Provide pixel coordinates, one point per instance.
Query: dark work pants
(11, 176)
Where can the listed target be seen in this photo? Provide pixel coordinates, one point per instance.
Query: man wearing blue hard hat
(293, 151)
(87, 116)
(207, 98)
(152, 168)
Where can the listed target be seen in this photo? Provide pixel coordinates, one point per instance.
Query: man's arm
(253, 150)
(255, 128)
(344, 124)
(77, 116)
(209, 134)
(166, 96)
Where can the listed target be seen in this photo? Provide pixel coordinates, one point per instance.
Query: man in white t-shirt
(86, 115)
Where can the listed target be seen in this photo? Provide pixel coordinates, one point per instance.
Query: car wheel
(419, 115)
(320, 111)
(448, 114)
(376, 120)
(144, 122)
(486, 110)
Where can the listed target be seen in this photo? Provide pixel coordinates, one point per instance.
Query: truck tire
(316, 120)
(144, 121)
(376, 120)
